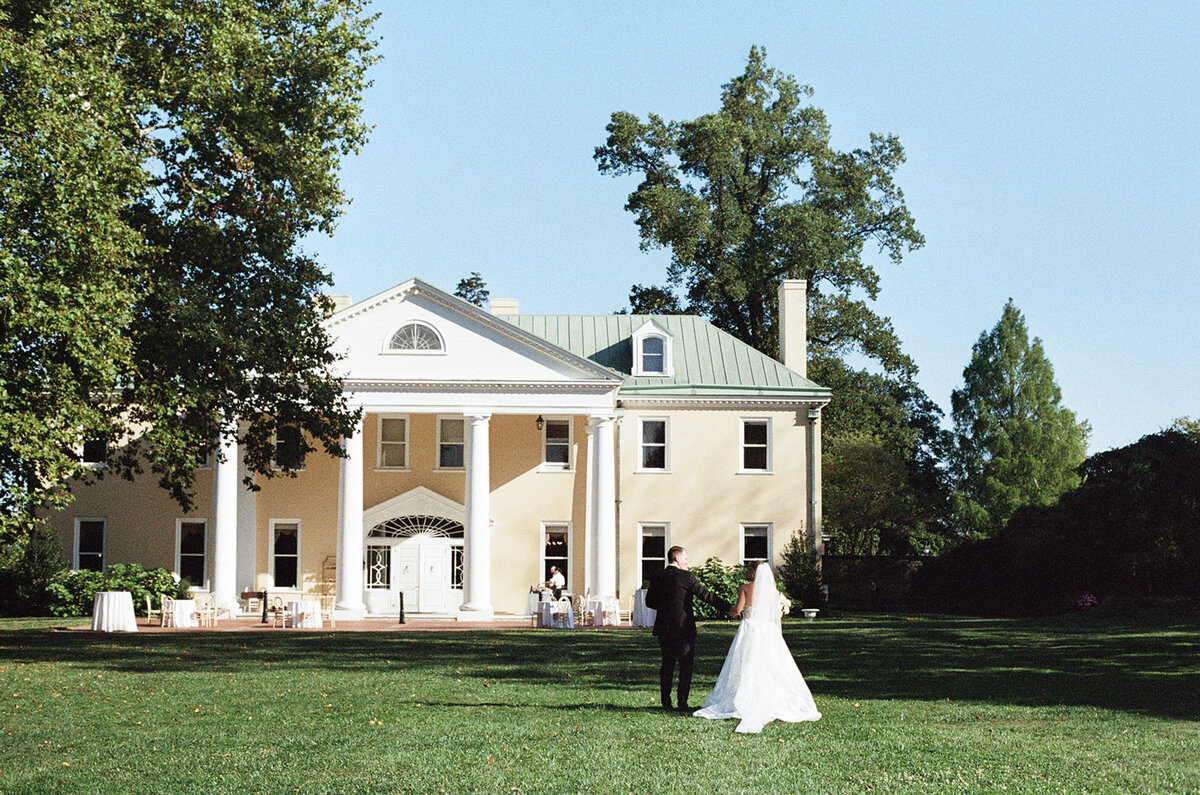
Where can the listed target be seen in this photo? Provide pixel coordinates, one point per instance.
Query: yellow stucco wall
(703, 498)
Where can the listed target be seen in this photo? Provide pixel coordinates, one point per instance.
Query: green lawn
(911, 704)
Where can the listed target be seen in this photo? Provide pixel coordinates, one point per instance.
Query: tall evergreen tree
(1015, 443)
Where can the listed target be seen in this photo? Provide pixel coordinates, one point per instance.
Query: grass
(911, 704)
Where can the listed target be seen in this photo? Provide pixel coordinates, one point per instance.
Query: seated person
(556, 582)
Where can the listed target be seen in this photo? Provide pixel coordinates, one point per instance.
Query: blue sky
(1052, 149)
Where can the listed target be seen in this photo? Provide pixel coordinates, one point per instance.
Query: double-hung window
(94, 453)
(556, 444)
(654, 551)
(654, 355)
(652, 443)
(89, 544)
(756, 543)
(556, 549)
(393, 442)
(192, 548)
(285, 554)
(451, 447)
(289, 447)
(756, 445)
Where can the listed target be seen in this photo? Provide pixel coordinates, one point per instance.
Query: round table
(306, 614)
(642, 616)
(185, 614)
(554, 616)
(112, 611)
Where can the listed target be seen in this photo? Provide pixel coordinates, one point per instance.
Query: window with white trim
(556, 549)
(652, 351)
(393, 442)
(379, 566)
(451, 444)
(415, 338)
(756, 445)
(191, 551)
(94, 452)
(89, 544)
(285, 554)
(756, 543)
(652, 445)
(653, 551)
(556, 444)
(289, 447)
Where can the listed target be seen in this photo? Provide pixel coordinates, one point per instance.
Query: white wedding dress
(759, 681)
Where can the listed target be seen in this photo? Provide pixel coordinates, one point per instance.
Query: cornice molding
(793, 404)
(505, 387)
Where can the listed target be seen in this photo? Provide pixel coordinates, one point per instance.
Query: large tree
(755, 193)
(159, 165)
(1015, 443)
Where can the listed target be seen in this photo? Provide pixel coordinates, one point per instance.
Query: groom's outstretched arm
(698, 590)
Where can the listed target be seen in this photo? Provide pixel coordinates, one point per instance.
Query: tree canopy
(159, 166)
(1015, 443)
(753, 194)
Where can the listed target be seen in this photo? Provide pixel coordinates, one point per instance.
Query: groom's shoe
(685, 709)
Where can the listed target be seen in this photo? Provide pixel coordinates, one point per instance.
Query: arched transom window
(415, 337)
(410, 526)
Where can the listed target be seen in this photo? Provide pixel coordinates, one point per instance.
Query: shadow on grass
(1147, 669)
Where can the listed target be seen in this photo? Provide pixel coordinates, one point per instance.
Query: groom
(675, 624)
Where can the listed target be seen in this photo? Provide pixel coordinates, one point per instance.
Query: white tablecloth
(552, 617)
(306, 613)
(642, 616)
(185, 613)
(531, 603)
(602, 618)
(112, 611)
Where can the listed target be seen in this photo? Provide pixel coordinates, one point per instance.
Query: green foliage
(473, 289)
(798, 577)
(1015, 444)
(1131, 531)
(26, 568)
(722, 580)
(72, 593)
(753, 194)
(1187, 425)
(160, 165)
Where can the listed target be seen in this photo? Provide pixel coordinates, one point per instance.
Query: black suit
(671, 595)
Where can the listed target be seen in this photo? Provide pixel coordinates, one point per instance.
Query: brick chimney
(793, 325)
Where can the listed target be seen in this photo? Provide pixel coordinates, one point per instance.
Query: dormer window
(652, 349)
(415, 338)
(654, 354)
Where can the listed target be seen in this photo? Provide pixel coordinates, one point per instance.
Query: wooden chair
(281, 613)
(151, 613)
(206, 611)
(167, 613)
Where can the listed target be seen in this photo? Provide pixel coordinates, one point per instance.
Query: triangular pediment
(417, 333)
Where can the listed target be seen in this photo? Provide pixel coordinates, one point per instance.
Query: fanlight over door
(419, 557)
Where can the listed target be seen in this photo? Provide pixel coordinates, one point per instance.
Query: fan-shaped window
(415, 337)
(409, 526)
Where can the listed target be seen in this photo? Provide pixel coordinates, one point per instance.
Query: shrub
(798, 578)
(72, 593)
(722, 580)
(26, 569)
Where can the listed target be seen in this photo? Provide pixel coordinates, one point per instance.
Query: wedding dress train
(759, 681)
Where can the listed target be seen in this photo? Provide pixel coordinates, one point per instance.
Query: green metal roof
(707, 361)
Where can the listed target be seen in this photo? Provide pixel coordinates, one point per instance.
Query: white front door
(434, 575)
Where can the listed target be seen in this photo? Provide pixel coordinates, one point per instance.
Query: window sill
(449, 469)
(651, 471)
(553, 468)
(754, 472)
(393, 469)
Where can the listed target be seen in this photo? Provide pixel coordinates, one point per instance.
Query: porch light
(541, 423)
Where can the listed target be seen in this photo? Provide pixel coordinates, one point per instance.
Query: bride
(759, 682)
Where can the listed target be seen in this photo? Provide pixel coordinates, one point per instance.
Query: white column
(224, 522)
(604, 507)
(350, 529)
(477, 546)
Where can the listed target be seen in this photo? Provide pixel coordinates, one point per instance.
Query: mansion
(493, 445)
